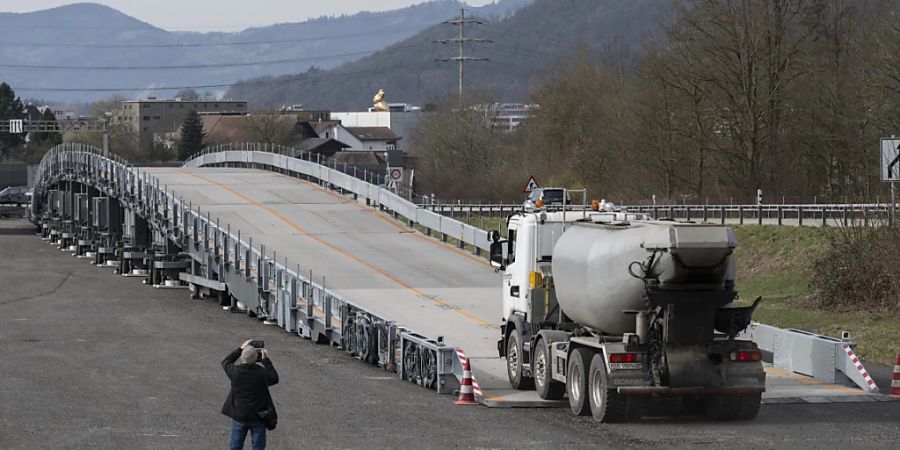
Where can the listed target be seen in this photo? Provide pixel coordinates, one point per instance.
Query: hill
(524, 44)
(86, 34)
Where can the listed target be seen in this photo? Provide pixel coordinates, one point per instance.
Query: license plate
(633, 365)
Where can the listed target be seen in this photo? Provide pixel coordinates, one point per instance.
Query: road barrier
(895, 379)
(824, 358)
(781, 214)
(102, 208)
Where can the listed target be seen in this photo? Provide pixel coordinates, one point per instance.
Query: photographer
(249, 403)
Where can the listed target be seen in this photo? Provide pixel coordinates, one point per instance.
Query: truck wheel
(547, 387)
(607, 404)
(515, 355)
(577, 381)
(733, 407)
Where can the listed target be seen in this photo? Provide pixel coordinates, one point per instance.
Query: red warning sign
(531, 185)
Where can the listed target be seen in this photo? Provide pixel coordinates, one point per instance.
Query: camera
(257, 344)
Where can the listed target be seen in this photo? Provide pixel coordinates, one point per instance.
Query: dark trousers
(239, 434)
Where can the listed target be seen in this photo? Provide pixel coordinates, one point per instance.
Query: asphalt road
(91, 360)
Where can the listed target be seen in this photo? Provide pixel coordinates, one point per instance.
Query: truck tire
(577, 381)
(733, 407)
(547, 387)
(515, 365)
(607, 405)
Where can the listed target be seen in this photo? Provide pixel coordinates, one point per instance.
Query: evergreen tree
(192, 135)
(11, 108)
(49, 139)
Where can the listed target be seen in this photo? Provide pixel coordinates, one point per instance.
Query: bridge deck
(389, 269)
(369, 258)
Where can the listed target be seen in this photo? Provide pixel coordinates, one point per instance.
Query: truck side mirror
(497, 255)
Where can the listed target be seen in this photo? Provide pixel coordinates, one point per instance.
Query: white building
(401, 123)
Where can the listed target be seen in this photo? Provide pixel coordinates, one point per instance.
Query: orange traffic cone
(466, 391)
(895, 380)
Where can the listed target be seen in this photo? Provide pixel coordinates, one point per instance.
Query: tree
(40, 142)
(11, 108)
(270, 128)
(192, 135)
(48, 139)
(460, 143)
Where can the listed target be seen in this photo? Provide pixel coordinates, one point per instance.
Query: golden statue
(378, 102)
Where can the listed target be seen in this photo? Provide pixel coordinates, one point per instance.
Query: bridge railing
(299, 302)
(836, 214)
(364, 185)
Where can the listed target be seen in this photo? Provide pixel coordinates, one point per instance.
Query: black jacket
(249, 387)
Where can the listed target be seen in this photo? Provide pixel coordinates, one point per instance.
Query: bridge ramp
(374, 261)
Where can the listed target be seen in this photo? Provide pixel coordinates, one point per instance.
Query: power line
(461, 41)
(365, 16)
(196, 66)
(238, 83)
(209, 44)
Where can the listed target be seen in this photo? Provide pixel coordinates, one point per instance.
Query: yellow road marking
(303, 231)
(813, 382)
(391, 222)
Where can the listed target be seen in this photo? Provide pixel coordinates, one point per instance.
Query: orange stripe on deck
(391, 222)
(337, 249)
(813, 382)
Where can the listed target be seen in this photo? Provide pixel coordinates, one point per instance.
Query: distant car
(548, 196)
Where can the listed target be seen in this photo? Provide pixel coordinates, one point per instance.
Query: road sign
(16, 126)
(890, 159)
(531, 185)
(395, 174)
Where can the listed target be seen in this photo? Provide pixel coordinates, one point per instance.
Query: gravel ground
(91, 360)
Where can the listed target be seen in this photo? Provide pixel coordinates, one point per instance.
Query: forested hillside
(522, 46)
(787, 96)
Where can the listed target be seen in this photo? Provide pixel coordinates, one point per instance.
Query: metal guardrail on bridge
(782, 214)
(363, 185)
(221, 262)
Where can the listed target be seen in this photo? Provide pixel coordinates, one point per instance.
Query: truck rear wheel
(733, 407)
(607, 405)
(515, 363)
(547, 387)
(577, 381)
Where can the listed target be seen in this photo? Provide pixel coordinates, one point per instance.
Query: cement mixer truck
(616, 311)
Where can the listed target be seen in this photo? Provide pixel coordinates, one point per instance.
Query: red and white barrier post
(895, 380)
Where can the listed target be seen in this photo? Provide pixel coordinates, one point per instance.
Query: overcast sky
(224, 15)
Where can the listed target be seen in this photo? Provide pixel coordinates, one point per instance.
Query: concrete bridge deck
(371, 259)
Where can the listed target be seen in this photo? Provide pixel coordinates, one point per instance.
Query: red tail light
(623, 357)
(746, 356)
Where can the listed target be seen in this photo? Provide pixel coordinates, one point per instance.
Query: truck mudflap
(690, 390)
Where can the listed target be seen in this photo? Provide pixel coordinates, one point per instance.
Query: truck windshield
(553, 196)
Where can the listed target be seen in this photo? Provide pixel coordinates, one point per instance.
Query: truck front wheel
(515, 362)
(607, 405)
(577, 381)
(547, 387)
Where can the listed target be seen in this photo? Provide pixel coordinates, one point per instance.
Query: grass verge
(777, 264)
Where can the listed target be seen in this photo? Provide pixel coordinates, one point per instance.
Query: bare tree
(270, 128)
